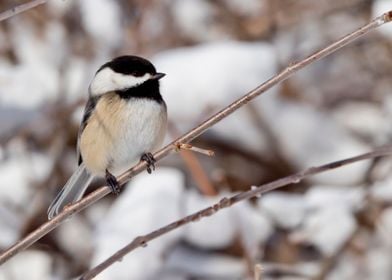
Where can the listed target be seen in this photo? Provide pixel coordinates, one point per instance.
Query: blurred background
(337, 225)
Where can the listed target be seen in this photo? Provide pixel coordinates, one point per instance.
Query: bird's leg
(112, 182)
(150, 160)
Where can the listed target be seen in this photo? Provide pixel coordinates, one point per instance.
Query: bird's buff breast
(120, 131)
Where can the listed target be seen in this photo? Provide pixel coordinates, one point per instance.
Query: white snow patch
(17, 173)
(76, 81)
(10, 224)
(365, 119)
(254, 227)
(205, 265)
(309, 137)
(287, 210)
(74, 237)
(31, 264)
(35, 80)
(217, 231)
(327, 228)
(220, 230)
(147, 203)
(247, 7)
(202, 79)
(349, 198)
(378, 261)
(101, 18)
(194, 19)
(382, 190)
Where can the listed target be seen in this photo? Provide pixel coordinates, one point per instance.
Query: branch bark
(141, 241)
(192, 134)
(20, 9)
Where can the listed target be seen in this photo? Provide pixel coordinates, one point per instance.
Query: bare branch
(195, 132)
(225, 202)
(20, 9)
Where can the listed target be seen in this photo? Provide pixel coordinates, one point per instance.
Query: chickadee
(124, 121)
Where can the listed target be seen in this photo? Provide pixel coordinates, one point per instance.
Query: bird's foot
(150, 160)
(112, 182)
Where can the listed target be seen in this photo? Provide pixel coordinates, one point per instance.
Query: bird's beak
(158, 76)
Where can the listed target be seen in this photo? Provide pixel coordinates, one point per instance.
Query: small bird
(124, 120)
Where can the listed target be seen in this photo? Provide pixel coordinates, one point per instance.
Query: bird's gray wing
(90, 106)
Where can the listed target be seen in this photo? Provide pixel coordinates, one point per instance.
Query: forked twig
(195, 132)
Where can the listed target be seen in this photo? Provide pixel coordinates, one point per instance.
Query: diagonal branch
(192, 134)
(225, 202)
(20, 9)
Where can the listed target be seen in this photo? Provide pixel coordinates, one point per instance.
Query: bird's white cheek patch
(107, 80)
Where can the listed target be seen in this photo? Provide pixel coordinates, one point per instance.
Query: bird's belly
(120, 132)
(142, 130)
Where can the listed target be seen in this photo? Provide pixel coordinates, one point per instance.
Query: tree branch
(225, 202)
(195, 132)
(20, 9)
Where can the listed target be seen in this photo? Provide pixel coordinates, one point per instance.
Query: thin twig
(195, 132)
(189, 147)
(20, 9)
(226, 202)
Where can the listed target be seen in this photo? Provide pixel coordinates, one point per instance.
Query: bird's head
(122, 73)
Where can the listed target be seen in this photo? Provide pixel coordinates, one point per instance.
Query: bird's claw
(150, 160)
(112, 182)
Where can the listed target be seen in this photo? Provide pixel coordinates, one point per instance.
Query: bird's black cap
(130, 65)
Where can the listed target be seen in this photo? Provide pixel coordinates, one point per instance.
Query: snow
(246, 7)
(76, 80)
(382, 190)
(329, 220)
(311, 138)
(35, 80)
(31, 264)
(18, 172)
(328, 229)
(146, 204)
(74, 238)
(379, 262)
(285, 209)
(153, 201)
(208, 76)
(16, 193)
(349, 198)
(10, 224)
(371, 123)
(254, 227)
(101, 19)
(190, 13)
(224, 227)
(219, 228)
(205, 265)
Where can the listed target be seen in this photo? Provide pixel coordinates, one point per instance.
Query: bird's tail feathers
(72, 191)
